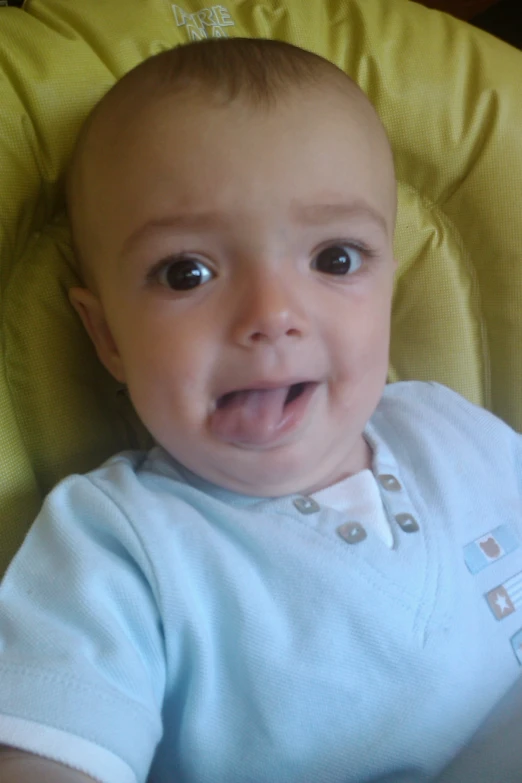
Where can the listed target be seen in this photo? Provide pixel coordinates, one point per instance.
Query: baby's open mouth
(258, 416)
(293, 392)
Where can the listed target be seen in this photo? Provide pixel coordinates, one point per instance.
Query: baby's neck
(362, 460)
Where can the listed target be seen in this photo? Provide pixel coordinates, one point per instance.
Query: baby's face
(245, 270)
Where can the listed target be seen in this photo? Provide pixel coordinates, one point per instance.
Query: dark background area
(503, 20)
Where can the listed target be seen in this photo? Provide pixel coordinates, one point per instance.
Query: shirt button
(352, 532)
(408, 523)
(389, 482)
(306, 505)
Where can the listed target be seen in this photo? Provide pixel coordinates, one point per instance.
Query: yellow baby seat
(450, 98)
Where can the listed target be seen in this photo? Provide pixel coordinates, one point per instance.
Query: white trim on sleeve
(65, 748)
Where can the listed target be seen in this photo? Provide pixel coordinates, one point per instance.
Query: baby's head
(233, 206)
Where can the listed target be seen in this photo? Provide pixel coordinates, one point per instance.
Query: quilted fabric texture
(450, 97)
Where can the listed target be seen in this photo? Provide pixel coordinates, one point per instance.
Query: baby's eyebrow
(192, 221)
(320, 214)
(305, 214)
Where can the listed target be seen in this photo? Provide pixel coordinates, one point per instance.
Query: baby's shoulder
(434, 404)
(429, 424)
(130, 476)
(117, 495)
(423, 393)
(131, 504)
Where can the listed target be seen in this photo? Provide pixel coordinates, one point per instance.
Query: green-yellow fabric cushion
(450, 97)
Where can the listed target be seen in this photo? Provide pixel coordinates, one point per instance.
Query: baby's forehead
(122, 127)
(126, 130)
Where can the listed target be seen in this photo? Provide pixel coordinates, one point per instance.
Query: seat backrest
(450, 98)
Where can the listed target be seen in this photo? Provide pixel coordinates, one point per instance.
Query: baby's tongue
(252, 416)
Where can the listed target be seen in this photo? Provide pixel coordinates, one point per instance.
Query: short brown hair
(257, 69)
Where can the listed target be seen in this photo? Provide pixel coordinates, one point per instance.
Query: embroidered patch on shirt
(505, 599)
(489, 548)
(516, 643)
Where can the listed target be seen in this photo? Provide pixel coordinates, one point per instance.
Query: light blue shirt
(153, 624)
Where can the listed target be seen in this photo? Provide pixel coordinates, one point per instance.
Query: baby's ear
(90, 310)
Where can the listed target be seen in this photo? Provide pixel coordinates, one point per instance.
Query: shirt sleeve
(82, 662)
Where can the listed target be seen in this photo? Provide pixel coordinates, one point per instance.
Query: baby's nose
(267, 311)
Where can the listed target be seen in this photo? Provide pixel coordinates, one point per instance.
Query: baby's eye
(183, 274)
(338, 259)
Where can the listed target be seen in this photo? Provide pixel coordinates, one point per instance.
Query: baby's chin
(270, 474)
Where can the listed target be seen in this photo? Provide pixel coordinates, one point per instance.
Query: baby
(302, 582)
